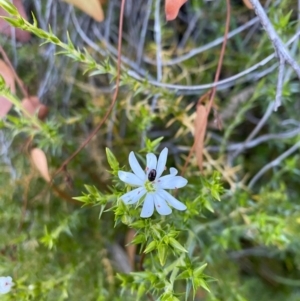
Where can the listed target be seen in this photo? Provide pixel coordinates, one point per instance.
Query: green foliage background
(57, 250)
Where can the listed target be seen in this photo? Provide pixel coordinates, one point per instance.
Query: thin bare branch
(141, 43)
(282, 52)
(273, 163)
(157, 31)
(255, 142)
(255, 130)
(279, 84)
(222, 84)
(206, 47)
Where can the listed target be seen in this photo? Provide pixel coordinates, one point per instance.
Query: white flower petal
(5, 285)
(171, 200)
(173, 171)
(165, 178)
(161, 164)
(172, 182)
(133, 196)
(136, 167)
(161, 205)
(151, 162)
(148, 207)
(130, 178)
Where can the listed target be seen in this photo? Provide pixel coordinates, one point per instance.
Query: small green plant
(167, 267)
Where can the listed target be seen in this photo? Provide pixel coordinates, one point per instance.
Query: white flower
(5, 285)
(151, 184)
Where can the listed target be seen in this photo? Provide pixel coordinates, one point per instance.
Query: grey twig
(222, 84)
(84, 37)
(255, 142)
(191, 26)
(256, 130)
(206, 47)
(273, 163)
(282, 52)
(279, 46)
(141, 43)
(157, 31)
(279, 84)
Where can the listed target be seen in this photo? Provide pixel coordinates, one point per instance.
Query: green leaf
(162, 253)
(41, 33)
(141, 291)
(151, 246)
(83, 199)
(208, 206)
(215, 194)
(70, 43)
(14, 22)
(54, 39)
(139, 239)
(168, 296)
(185, 274)
(284, 20)
(199, 271)
(112, 161)
(101, 210)
(91, 189)
(10, 8)
(204, 285)
(97, 72)
(176, 245)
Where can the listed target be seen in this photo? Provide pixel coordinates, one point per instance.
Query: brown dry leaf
(130, 248)
(172, 8)
(91, 7)
(9, 79)
(200, 130)
(33, 105)
(7, 29)
(248, 4)
(39, 160)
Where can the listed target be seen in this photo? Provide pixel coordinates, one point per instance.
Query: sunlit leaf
(91, 7)
(172, 8)
(39, 160)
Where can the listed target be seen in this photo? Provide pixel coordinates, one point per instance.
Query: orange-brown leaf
(7, 29)
(39, 160)
(92, 8)
(172, 8)
(8, 76)
(200, 130)
(33, 105)
(248, 4)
